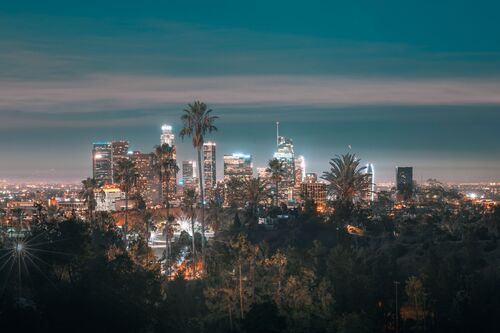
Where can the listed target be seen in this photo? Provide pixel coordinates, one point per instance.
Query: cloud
(100, 92)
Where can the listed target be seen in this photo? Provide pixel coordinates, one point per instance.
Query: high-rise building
(404, 181)
(147, 183)
(370, 171)
(286, 155)
(209, 169)
(310, 177)
(167, 135)
(120, 152)
(300, 173)
(314, 190)
(102, 163)
(238, 165)
(189, 178)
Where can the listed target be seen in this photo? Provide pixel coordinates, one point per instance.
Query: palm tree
(126, 176)
(189, 203)
(277, 171)
(254, 192)
(347, 180)
(87, 194)
(198, 121)
(167, 168)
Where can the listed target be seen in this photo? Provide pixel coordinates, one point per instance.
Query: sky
(413, 83)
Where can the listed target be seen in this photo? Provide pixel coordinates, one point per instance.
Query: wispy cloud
(96, 93)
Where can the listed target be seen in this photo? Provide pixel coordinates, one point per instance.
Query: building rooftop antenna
(277, 133)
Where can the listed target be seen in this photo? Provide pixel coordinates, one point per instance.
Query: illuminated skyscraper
(370, 171)
(286, 155)
(209, 168)
(167, 136)
(300, 172)
(238, 165)
(314, 190)
(147, 179)
(311, 177)
(404, 182)
(189, 177)
(102, 163)
(120, 151)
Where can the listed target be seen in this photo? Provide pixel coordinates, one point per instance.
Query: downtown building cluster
(294, 185)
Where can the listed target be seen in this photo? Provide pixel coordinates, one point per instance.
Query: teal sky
(404, 83)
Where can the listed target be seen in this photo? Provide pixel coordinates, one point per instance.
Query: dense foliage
(305, 274)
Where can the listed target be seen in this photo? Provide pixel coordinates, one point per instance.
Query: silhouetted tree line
(305, 275)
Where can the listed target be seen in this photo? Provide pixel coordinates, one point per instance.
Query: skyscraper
(209, 168)
(238, 165)
(120, 151)
(286, 155)
(300, 172)
(404, 182)
(167, 136)
(147, 181)
(189, 177)
(102, 163)
(370, 171)
(314, 190)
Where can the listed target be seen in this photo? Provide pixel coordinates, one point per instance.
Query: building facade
(167, 135)
(238, 165)
(285, 153)
(119, 153)
(102, 163)
(314, 190)
(189, 175)
(404, 182)
(147, 182)
(209, 169)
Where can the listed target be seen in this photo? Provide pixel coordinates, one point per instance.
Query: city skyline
(395, 94)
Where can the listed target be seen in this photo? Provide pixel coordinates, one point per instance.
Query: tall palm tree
(189, 202)
(87, 194)
(126, 177)
(347, 180)
(276, 169)
(254, 192)
(198, 121)
(167, 168)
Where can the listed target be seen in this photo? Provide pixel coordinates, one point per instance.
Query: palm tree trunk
(193, 245)
(277, 193)
(202, 197)
(160, 190)
(167, 229)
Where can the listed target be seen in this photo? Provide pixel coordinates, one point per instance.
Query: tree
(87, 194)
(233, 194)
(254, 192)
(198, 121)
(126, 177)
(347, 180)
(167, 168)
(277, 171)
(189, 202)
(415, 292)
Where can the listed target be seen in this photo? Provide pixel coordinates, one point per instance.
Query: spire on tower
(277, 133)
